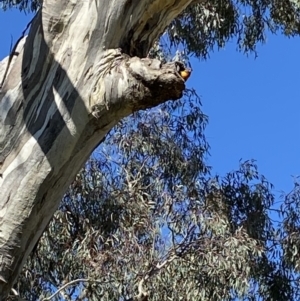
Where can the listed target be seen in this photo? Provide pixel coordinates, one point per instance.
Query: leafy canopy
(146, 219)
(208, 24)
(146, 215)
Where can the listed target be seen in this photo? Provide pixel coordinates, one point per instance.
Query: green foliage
(23, 5)
(145, 212)
(211, 23)
(146, 219)
(208, 24)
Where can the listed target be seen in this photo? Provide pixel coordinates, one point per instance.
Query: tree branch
(67, 88)
(72, 283)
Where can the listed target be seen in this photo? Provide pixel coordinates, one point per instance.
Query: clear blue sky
(253, 104)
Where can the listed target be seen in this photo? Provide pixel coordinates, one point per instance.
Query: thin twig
(16, 294)
(74, 282)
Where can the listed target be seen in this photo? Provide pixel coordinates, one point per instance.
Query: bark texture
(80, 70)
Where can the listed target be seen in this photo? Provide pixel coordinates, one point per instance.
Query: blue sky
(253, 104)
(254, 108)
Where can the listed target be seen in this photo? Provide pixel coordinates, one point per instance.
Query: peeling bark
(80, 70)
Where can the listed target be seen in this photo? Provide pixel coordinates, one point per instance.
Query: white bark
(78, 73)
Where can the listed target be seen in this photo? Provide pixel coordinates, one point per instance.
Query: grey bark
(80, 70)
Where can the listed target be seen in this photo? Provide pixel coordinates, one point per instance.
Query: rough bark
(80, 70)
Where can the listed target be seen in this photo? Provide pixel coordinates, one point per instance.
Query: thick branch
(131, 25)
(67, 87)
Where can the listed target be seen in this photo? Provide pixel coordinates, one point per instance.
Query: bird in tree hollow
(183, 71)
(185, 74)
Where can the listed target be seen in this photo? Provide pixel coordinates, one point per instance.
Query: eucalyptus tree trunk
(79, 71)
